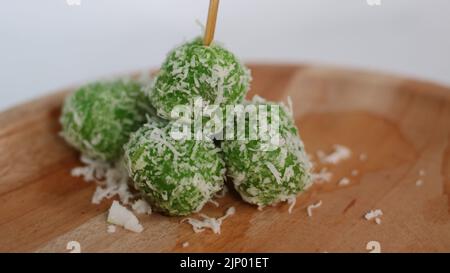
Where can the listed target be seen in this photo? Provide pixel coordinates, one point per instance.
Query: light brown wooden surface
(402, 125)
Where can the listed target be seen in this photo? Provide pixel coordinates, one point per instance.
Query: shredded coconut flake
(185, 244)
(419, 182)
(378, 221)
(322, 176)
(422, 172)
(141, 207)
(121, 216)
(92, 171)
(215, 203)
(373, 214)
(222, 193)
(340, 153)
(313, 206)
(274, 171)
(111, 229)
(116, 183)
(290, 107)
(291, 200)
(344, 182)
(209, 222)
(110, 180)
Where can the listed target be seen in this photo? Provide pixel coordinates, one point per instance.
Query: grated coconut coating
(265, 177)
(98, 118)
(194, 70)
(177, 177)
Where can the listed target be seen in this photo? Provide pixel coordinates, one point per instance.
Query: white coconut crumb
(378, 221)
(291, 200)
(222, 193)
(209, 222)
(185, 244)
(373, 214)
(115, 183)
(92, 171)
(110, 180)
(419, 182)
(422, 172)
(141, 207)
(363, 157)
(84, 172)
(313, 206)
(121, 216)
(111, 229)
(322, 176)
(344, 181)
(340, 153)
(290, 106)
(354, 172)
(215, 203)
(274, 172)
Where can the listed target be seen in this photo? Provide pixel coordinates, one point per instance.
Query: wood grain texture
(402, 126)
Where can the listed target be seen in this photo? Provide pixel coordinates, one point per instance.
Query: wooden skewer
(211, 23)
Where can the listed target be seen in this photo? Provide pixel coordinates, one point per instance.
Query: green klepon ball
(177, 177)
(194, 70)
(98, 118)
(265, 173)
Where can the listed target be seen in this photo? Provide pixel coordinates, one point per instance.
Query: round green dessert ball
(265, 173)
(177, 177)
(98, 118)
(194, 70)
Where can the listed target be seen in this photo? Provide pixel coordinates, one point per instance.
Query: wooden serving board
(403, 126)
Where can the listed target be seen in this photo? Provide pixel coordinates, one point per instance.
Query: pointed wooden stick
(211, 23)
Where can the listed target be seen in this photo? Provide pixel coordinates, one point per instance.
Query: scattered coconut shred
(209, 222)
(374, 214)
(344, 182)
(215, 203)
(141, 207)
(340, 153)
(323, 176)
(274, 172)
(112, 181)
(222, 193)
(419, 182)
(313, 206)
(111, 229)
(219, 195)
(291, 200)
(422, 172)
(121, 216)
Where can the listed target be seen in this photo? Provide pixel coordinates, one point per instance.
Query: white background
(46, 44)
